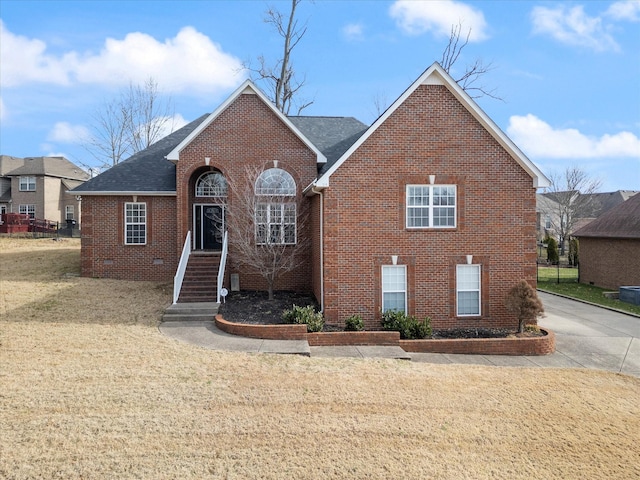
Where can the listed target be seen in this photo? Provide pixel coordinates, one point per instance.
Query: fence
(22, 225)
(560, 273)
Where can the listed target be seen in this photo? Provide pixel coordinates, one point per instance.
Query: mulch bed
(255, 308)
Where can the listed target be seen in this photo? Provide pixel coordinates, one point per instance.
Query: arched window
(275, 181)
(275, 216)
(211, 184)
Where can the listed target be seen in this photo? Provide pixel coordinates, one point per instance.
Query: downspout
(318, 191)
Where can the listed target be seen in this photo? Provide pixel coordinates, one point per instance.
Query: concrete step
(192, 311)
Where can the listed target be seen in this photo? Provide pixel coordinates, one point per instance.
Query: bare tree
(133, 121)
(572, 199)
(265, 229)
(473, 72)
(283, 85)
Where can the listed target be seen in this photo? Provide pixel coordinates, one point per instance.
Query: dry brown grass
(117, 399)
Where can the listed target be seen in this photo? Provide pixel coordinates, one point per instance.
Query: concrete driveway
(586, 337)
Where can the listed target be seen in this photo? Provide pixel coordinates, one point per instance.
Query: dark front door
(208, 222)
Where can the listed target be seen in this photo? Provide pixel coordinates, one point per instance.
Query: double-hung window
(468, 290)
(275, 211)
(394, 288)
(276, 223)
(431, 206)
(28, 210)
(135, 223)
(27, 184)
(68, 212)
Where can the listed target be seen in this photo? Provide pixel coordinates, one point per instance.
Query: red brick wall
(104, 253)
(364, 217)
(247, 133)
(609, 263)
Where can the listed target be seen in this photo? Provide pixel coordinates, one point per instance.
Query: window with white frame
(28, 210)
(394, 288)
(135, 223)
(276, 211)
(431, 206)
(68, 212)
(468, 290)
(547, 221)
(27, 184)
(275, 181)
(211, 184)
(276, 223)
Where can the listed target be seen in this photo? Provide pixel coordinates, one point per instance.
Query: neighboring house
(588, 208)
(39, 187)
(430, 210)
(610, 247)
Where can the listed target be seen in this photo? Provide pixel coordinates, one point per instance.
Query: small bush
(304, 315)
(354, 323)
(410, 327)
(522, 301)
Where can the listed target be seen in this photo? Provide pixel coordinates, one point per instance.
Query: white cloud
(573, 26)
(438, 16)
(25, 60)
(353, 31)
(64, 132)
(3, 110)
(188, 62)
(627, 10)
(540, 140)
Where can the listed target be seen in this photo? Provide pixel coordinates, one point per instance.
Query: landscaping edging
(266, 332)
(544, 345)
(471, 346)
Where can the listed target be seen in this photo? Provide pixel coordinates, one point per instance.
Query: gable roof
(247, 87)
(48, 166)
(146, 172)
(436, 75)
(622, 221)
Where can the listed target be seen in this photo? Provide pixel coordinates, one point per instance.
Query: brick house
(610, 247)
(39, 186)
(431, 209)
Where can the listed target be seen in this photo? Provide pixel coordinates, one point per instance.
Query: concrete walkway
(586, 337)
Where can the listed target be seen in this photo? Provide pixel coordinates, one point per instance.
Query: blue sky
(569, 72)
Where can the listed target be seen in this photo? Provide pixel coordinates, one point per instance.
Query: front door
(208, 227)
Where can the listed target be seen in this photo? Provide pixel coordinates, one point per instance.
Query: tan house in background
(38, 186)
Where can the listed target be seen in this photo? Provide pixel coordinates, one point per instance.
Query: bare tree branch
(270, 257)
(280, 78)
(573, 199)
(473, 73)
(130, 123)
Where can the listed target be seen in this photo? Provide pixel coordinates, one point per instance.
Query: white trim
(247, 87)
(120, 194)
(382, 269)
(435, 75)
(477, 267)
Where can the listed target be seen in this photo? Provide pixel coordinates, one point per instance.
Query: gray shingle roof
(146, 171)
(332, 135)
(149, 170)
(622, 221)
(48, 166)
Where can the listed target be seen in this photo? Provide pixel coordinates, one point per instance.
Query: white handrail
(223, 263)
(182, 268)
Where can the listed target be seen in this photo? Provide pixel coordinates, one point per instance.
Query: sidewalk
(586, 337)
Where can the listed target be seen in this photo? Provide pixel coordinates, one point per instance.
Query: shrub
(410, 327)
(354, 323)
(552, 250)
(522, 300)
(304, 315)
